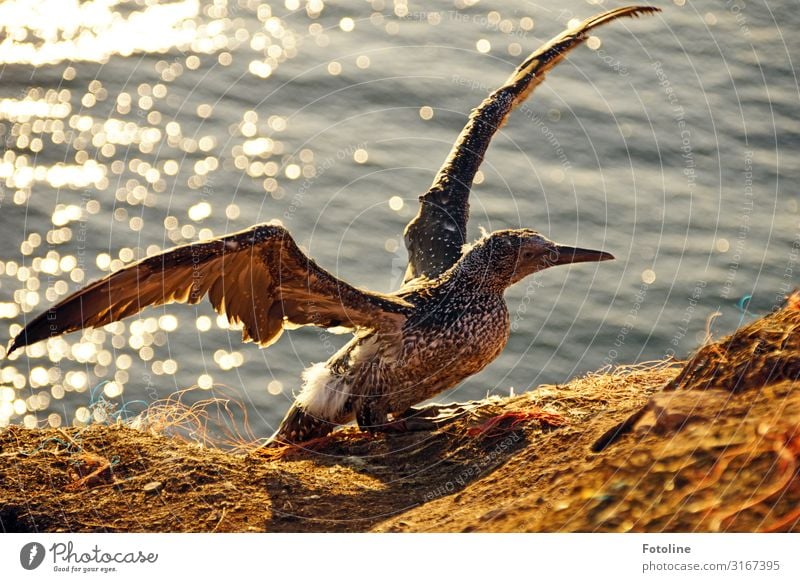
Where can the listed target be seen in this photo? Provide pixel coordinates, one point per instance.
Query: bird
(446, 322)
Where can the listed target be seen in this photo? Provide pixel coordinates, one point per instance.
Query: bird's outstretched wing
(435, 236)
(257, 277)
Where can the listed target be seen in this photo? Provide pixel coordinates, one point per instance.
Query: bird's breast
(457, 340)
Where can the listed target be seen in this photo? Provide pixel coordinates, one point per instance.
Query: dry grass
(709, 445)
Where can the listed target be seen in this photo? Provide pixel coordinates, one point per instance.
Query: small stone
(153, 487)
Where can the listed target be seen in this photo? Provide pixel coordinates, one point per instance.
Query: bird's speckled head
(504, 257)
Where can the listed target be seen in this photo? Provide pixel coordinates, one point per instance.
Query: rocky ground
(712, 445)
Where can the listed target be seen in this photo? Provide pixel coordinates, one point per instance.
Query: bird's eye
(528, 254)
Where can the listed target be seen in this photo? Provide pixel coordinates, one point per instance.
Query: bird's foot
(409, 424)
(402, 426)
(440, 413)
(426, 418)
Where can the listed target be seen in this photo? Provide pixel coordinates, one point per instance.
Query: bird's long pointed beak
(565, 255)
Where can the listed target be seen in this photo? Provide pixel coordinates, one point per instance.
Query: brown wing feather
(435, 236)
(258, 278)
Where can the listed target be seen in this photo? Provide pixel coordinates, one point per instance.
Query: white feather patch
(323, 394)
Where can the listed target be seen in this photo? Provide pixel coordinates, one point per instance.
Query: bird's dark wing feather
(257, 277)
(435, 236)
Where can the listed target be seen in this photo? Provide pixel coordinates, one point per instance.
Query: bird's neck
(477, 277)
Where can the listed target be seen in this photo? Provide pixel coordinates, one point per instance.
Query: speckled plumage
(448, 321)
(448, 336)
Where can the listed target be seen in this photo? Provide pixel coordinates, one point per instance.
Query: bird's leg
(373, 418)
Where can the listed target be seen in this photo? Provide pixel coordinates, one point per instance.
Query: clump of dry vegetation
(712, 445)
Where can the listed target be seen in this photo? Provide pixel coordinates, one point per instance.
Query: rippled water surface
(132, 126)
